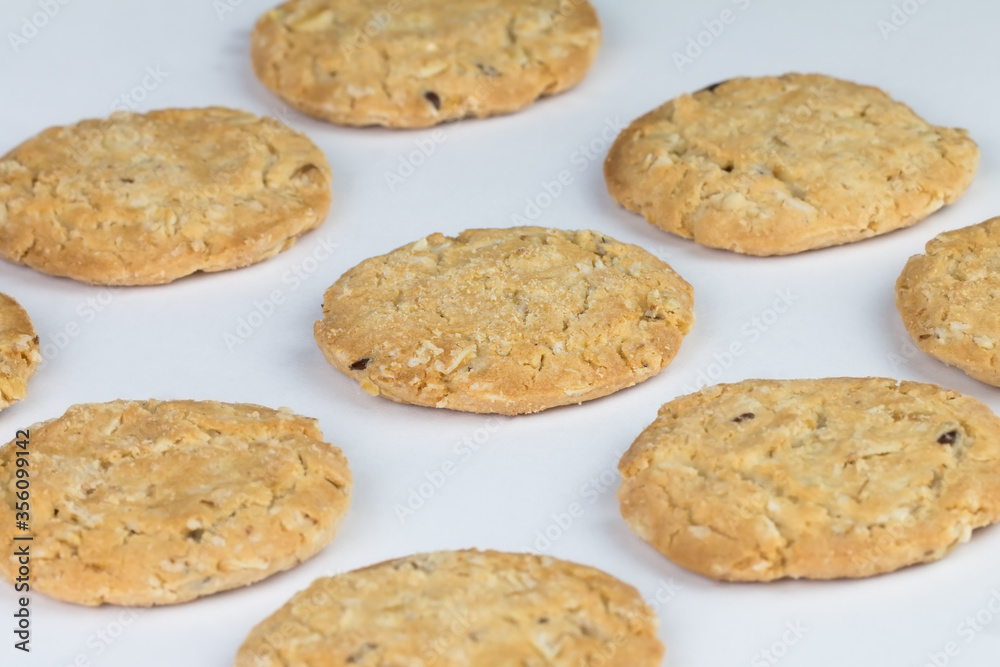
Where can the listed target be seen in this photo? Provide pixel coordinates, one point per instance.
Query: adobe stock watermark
(906, 352)
(103, 638)
(410, 162)
(772, 655)
(437, 647)
(580, 160)
(435, 479)
(153, 77)
(265, 308)
(318, 598)
(225, 7)
(714, 29)
(92, 137)
(563, 12)
(871, 559)
(561, 522)
(750, 332)
(899, 17)
(662, 252)
(636, 618)
(33, 24)
(375, 26)
(968, 630)
(54, 342)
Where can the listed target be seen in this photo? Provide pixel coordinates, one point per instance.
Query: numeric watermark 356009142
(22, 538)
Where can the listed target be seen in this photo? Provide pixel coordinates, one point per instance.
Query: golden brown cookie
(144, 199)
(19, 355)
(457, 609)
(147, 503)
(820, 479)
(416, 63)
(779, 165)
(948, 299)
(506, 321)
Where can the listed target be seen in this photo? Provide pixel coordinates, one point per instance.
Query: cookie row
(144, 199)
(514, 321)
(761, 165)
(146, 503)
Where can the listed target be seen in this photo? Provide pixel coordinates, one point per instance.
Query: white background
(168, 342)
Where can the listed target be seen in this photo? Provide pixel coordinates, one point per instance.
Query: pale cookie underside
(19, 354)
(506, 321)
(949, 299)
(416, 63)
(455, 609)
(151, 503)
(779, 165)
(142, 199)
(819, 479)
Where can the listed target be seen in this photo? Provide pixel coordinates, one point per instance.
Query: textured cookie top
(19, 355)
(415, 63)
(456, 609)
(949, 299)
(830, 478)
(778, 165)
(149, 503)
(143, 199)
(505, 320)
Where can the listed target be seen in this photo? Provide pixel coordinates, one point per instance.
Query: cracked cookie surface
(819, 479)
(460, 608)
(416, 63)
(949, 299)
(144, 199)
(19, 353)
(146, 503)
(506, 321)
(779, 165)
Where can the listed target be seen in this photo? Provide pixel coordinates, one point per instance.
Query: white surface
(168, 342)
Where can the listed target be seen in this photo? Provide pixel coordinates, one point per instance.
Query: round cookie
(416, 63)
(19, 355)
(460, 608)
(144, 199)
(947, 298)
(779, 165)
(818, 479)
(150, 503)
(506, 321)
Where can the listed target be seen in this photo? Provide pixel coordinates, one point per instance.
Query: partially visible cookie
(144, 199)
(819, 479)
(416, 63)
(146, 503)
(779, 165)
(19, 355)
(460, 608)
(948, 299)
(505, 321)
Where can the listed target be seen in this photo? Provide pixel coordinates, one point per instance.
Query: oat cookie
(506, 321)
(144, 199)
(819, 479)
(148, 503)
(19, 355)
(416, 63)
(457, 609)
(947, 298)
(779, 165)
